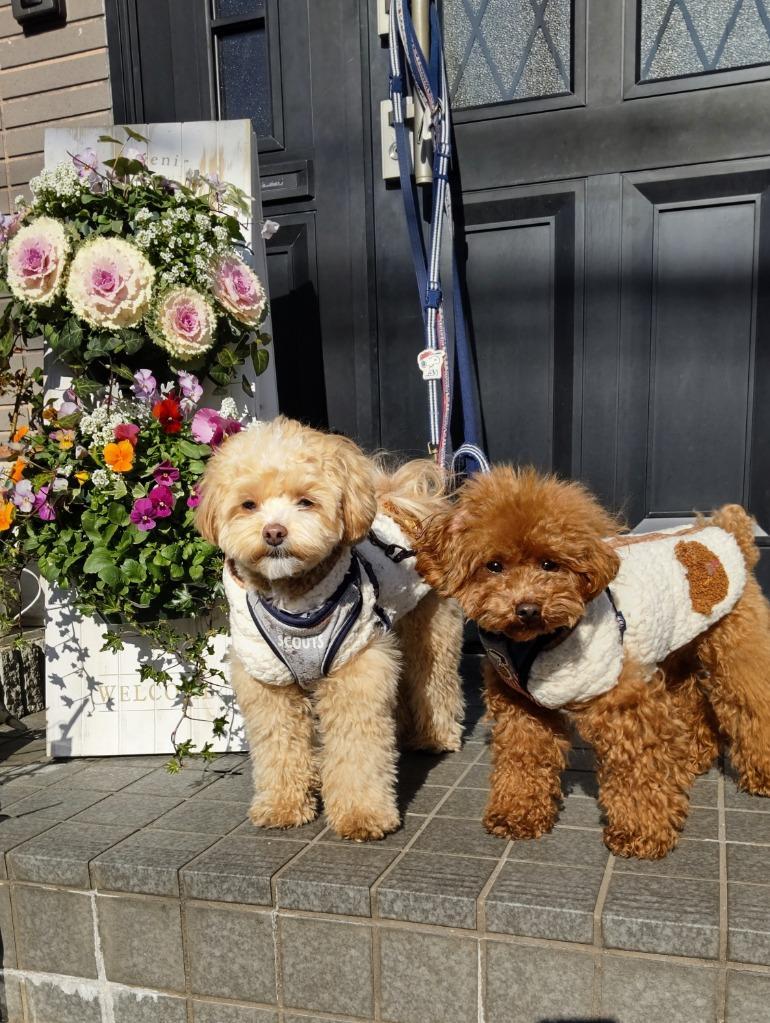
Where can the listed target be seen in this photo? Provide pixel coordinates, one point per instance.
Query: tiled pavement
(132, 896)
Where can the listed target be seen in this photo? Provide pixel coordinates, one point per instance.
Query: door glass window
(243, 63)
(679, 38)
(503, 50)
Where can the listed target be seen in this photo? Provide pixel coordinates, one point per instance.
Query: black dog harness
(513, 661)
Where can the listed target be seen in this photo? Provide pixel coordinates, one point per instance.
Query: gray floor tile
(15, 831)
(7, 940)
(748, 997)
(420, 798)
(468, 803)
(430, 769)
(689, 859)
(581, 812)
(428, 978)
(48, 1001)
(748, 827)
(327, 966)
(749, 863)
(526, 984)
(60, 856)
(735, 799)
(51, 772)
(43, 944)
(301, 834)
(434, 889)
(705, 790)
(332, 878)
(580, 783)
(148, 861)
(189, 782)
(142, 941)
(564, 845)
(107, 777)
(674, 916)
(127, 809)
(459, 838)
(702, 823)
(230, 953)
(542, 900)
(748, 914)
(55, 803)
(134, 1007)
(227, 788)
(221, 1012)
(237, 869)
(637, 991)
(204, 817)
(477, 778)
(14, 789)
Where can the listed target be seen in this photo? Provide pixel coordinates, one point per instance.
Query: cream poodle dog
(338, 646)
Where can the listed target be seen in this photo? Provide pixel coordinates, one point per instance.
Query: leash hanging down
(445, 332)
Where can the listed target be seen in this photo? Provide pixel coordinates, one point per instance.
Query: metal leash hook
(427, 83)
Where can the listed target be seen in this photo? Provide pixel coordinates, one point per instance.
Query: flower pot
(98, 704)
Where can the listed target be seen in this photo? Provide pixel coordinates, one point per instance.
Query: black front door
(614, 160)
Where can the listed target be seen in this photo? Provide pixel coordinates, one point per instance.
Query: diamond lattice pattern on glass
(502, 50)
(679, 38)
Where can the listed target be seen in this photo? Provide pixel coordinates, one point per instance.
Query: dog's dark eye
(249, 505)
(495, 566)
(305, 502)
(549, 566)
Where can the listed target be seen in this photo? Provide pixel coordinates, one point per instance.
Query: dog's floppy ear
(442, 556)
(599, 567)
(359, 501)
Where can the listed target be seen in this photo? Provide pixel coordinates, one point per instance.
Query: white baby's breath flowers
(101, 478)
(229, 409)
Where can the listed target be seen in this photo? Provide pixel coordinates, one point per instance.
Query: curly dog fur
(518, 538)
(339, 739)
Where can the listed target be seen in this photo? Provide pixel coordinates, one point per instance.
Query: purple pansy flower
(209, 427)
(162, 501)
(45, 510)
(143, 514)
(24, 496)
(90, 169)
(195, 497)
(191, 391)
(145, 386)
(9, 224)
(165, 473)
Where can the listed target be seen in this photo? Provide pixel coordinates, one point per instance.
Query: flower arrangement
(120, 268)
(140, 286)
(102, 493)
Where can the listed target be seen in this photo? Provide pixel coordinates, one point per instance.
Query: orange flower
(120, 456)
(20, 434)
(6, 515)
(18, 470)
(49, 414)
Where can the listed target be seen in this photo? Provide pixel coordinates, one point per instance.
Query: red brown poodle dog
(651, 645)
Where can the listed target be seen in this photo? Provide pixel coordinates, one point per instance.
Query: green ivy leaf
(260, 360)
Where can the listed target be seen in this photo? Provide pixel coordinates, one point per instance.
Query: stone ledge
(22, 674)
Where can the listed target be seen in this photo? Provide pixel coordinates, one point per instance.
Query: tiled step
(128, 895)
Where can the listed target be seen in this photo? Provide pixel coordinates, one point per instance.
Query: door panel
(523, 257)
(692, 260)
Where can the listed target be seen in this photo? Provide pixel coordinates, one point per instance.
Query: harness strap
(392, 551)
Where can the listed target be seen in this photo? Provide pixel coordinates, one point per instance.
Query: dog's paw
(448, 740)
(627, 844)
(273, 813)
(518, 826)
(365, 826)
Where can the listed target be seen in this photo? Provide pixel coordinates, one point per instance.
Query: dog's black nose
(527, 612)
(274, 534)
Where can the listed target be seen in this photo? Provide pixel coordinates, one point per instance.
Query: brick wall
(56, 76)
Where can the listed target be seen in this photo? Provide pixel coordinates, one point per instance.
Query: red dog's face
(522, 553)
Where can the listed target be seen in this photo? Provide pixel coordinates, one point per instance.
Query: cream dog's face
(279, 497)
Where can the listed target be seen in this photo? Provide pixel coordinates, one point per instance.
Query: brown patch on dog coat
(706, 575)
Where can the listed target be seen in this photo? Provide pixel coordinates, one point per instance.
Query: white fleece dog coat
(366, 592)
(670, 588)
